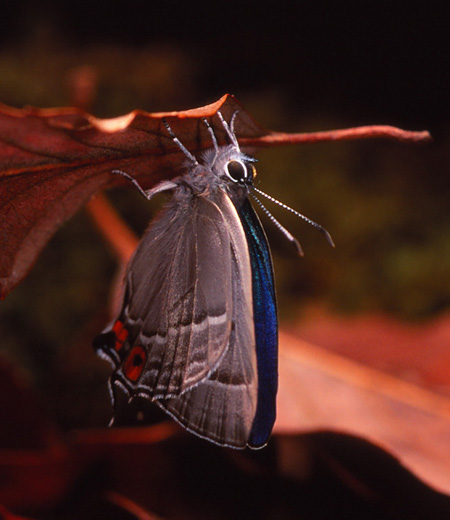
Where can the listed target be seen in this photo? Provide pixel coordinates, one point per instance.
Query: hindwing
(185, 335)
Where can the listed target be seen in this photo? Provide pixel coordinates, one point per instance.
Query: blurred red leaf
(414, 352)
(130, 507)
(320, 390)
(54, 160)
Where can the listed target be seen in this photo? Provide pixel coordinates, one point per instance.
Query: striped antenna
(300, 215)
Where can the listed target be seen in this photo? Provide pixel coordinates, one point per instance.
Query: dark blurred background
(296, 66)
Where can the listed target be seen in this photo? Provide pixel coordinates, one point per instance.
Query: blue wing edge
(266, 325)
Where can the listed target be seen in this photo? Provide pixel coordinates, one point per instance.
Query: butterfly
(197, 333)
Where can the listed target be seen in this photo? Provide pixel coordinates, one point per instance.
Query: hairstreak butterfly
(197, 333)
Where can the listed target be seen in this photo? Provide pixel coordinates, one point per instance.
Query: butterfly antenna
(230, 131)
(180, 145)
(306, 219)
(232, 120)
(279, 226)
(214, 139)
(134, 181)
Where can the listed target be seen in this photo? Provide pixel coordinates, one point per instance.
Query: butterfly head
(228, 163)
(230, 166)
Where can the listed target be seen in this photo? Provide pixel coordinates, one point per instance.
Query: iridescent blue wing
(266, 325)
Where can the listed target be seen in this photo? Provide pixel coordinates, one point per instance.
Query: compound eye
(236, 171)
(251, 171)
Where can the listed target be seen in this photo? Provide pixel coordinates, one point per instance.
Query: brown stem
(118, 235)
(361, 132)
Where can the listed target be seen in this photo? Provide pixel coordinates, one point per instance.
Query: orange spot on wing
(121, 334)
(117, 327)
(135, 362)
